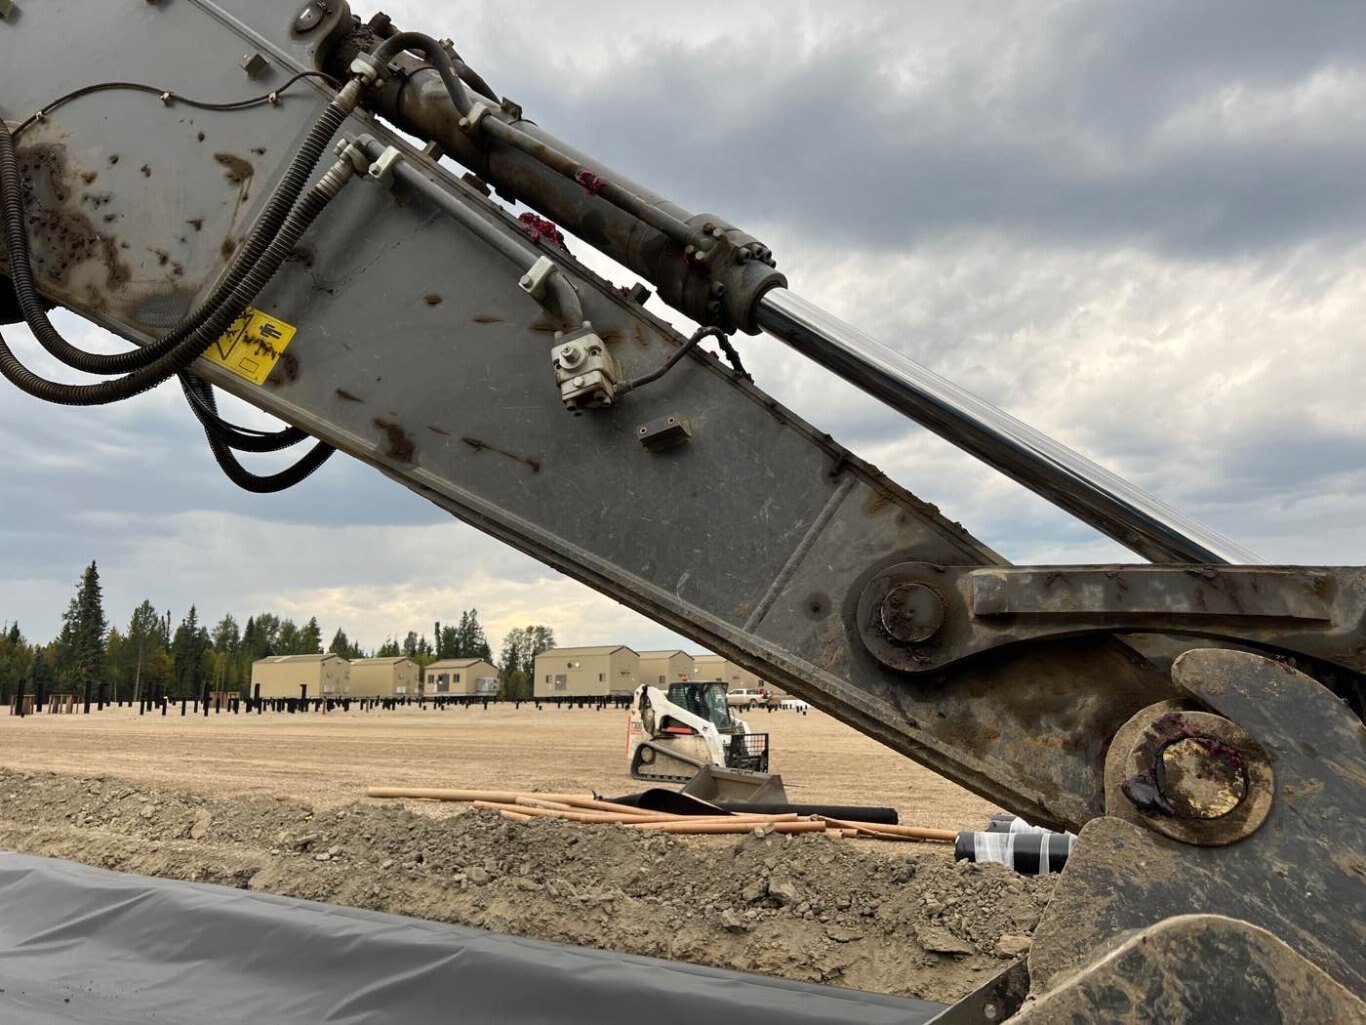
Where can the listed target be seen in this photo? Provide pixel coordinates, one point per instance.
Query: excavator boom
(398, 310)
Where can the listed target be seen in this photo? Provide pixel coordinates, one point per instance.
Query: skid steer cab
(674, 732)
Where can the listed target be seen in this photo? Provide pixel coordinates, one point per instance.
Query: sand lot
(274, 803)
(330, 759)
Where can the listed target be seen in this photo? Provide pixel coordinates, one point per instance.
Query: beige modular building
(383, 677)
(714, 667)
(661, 668)
(300, 676)
(460, 676)
(587, 672)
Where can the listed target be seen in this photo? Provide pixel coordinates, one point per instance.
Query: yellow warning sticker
(252, 346)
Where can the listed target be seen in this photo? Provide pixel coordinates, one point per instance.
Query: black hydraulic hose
(249, 253)
(199, 394)
(266, 484)
(187, 351)
(672, 359)
(168, 96)
(473, 79)
(436, 56)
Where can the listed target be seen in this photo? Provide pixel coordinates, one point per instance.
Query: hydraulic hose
(251, 252)
(199, 394)
(436, 56)
(192, 347)
(201, 399)
(267, 484)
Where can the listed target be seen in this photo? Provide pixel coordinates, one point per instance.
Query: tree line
(149, 656)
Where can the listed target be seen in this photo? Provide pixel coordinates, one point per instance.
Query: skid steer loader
(674, 733)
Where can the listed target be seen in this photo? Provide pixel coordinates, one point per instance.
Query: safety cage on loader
(748, 751)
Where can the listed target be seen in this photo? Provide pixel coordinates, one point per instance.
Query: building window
(661, 679)
(547, 677)
(456, 677)
(602, 677)
(561, 683)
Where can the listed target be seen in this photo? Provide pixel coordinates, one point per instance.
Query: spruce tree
(187, 655)
(143, 641)
(81, 645)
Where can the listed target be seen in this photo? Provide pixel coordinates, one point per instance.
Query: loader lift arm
(442, 340)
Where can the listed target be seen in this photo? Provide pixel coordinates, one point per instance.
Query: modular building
(383, 677)
(661, 668)
(300, 676)
(460, 676)
(587, 672)
(714, 667)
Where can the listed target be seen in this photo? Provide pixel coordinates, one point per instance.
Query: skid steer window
(706, 702)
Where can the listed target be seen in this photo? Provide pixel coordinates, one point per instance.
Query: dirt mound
(893, 918)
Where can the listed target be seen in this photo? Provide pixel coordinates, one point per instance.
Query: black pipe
(1026, 853)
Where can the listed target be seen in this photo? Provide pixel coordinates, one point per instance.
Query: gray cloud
(1044, 127)
(1136, 226)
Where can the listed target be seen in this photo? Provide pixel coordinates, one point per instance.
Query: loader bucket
(715, 784)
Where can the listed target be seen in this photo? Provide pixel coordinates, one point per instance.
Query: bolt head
(254, 64)
(911, 613)
(309, 18)
(1202, 778)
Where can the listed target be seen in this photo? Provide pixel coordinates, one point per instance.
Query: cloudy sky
(1139, 227)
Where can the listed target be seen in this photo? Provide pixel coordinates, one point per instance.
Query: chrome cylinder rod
(1070, 481)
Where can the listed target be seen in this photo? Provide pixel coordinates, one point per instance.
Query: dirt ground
(275, 803)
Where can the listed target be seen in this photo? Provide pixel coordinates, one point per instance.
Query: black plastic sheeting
(83, 945)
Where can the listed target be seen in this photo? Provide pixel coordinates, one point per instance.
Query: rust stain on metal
(288, 366)
(397, 444)
(146, 170)
(113, 159)
(65, 237)
(235, 168)
(481, 446)
(163, 257)
(197, 223)
(542, 326)
(199, 136)
(486, 318)
(89, 177)
(228, 247)
(438, 430)
(260, 151)
(432, 299)
(346, 396)
(876, 503)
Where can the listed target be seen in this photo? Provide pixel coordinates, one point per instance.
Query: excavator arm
(1200, 719)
